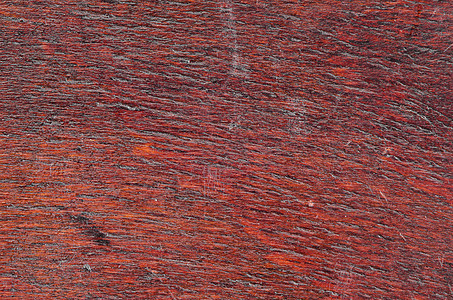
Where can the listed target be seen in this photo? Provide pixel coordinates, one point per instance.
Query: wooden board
(226, 149)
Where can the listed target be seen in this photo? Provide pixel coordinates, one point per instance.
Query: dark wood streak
(91, 230)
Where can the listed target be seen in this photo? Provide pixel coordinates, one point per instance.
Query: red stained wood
(226, 149)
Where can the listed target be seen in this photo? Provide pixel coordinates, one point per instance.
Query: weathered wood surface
(226, 149)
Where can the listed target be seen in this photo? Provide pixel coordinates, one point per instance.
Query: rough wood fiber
(226, 149)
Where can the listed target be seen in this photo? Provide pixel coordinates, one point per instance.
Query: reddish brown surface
(226, 149)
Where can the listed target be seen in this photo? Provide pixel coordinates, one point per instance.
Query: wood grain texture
(253, 149)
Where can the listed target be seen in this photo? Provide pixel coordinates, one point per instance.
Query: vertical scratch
(237, 68)
(385, 198)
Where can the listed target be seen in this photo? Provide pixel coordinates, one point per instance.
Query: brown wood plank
(226, 149)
